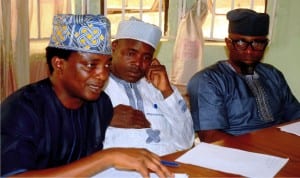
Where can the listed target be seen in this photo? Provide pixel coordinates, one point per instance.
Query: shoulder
(148, 89)
(30, 94)
(112, 86)
(23, 108)
(269, 71)
(110, 82)
(267, 67)
(215, 69)
(211, 73)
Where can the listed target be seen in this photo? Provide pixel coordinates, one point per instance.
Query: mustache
(135, 69)
(246, 69)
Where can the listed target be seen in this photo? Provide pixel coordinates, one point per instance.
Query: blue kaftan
(222, 99)
(38, 132)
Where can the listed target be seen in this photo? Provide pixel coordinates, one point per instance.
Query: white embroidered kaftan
(171, 122)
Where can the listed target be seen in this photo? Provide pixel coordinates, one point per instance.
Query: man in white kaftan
(141, 83)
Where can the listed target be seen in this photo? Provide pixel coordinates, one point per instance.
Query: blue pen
(169, 163)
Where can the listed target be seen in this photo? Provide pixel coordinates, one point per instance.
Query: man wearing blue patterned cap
(148, 111)
(56, 127)
(241, 94)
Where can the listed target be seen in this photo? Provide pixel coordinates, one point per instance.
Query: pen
(169, 163)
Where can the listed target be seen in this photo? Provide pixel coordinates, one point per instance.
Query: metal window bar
(39, 19)
(39, 36)
(140, 10)
(84, 10)
(181, 10)
(160, 13)
(84, 5)
(214, 14)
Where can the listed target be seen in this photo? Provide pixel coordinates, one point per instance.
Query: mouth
(95, 88)
(134, 76)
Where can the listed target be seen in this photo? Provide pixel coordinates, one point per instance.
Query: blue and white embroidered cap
(85, 33)
(140, 31)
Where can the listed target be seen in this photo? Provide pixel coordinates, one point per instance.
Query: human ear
(227, 41)
(114, 45)
(57, 64)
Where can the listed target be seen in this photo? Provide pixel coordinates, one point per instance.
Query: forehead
(135, 44)
(90, 56)
(248, 38)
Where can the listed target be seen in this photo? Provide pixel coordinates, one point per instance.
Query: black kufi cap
(248, 22)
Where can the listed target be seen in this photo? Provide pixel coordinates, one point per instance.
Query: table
(270, 141)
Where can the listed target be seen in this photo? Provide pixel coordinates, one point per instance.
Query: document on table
(293, 128)
(234, 161)
(114, 173)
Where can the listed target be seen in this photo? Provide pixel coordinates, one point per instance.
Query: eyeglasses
(256, 45)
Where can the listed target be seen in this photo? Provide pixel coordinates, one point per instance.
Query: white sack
(188, 47)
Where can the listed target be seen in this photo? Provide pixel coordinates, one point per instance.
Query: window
(42, 12)
(215, 27)
(151, 11)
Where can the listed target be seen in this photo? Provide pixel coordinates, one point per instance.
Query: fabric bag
(188, 47)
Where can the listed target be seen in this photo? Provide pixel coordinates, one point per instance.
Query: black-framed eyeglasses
(256, 45)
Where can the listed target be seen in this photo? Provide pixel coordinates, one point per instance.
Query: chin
(133, 79)
(251, 63)
(92, 97)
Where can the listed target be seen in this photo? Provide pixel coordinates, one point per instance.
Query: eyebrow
(247, 40)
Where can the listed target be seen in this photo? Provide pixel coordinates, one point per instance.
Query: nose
(102, 73)
(138, 61)
(249, 49)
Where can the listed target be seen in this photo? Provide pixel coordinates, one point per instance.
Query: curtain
(21, 63)
(47, 9)
(7, 76)
(14, 45)
(188, 47)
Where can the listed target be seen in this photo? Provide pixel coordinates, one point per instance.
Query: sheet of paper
(114, 173)
(234, 161)
(293, 128)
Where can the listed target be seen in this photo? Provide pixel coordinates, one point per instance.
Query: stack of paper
(233, 161)
(293, 128)
(114, 173)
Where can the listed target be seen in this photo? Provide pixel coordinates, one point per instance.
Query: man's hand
(137, 159)
(158, 76)
(128, 117)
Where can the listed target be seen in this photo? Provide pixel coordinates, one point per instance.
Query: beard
(246, 69)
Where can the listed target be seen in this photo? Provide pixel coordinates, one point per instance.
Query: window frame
(163, 5)
(212, 9)
(85, 7)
